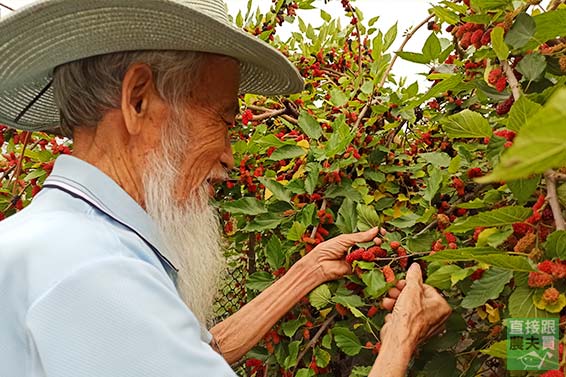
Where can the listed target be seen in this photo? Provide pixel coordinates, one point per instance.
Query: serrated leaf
(523, 189)
(442, 364)
(489, 256)
(347, 341)
(467, 124)
(322, 357)
(277, 189)
(551, 307)
(521, 304)
(431, 48)
(338, 98)
(375, 283)
(498, 43)
(274, 253)
(522, 31)
(289, 328)
(532, 66)
(286, 152)
(367, 217)
(296, 232)
(389, 37)
(352, 301)
(259, 280)
(538, 147)
(245, 206)
(320, 297)
(555, 245)
(498, 217)
(442, 277)
(498, 349)
(264, 221)
(309, 125)
(347, 217)
(305, 372)
(432, 183)
(445, 15)
(414, 57)
(520, 112)
(489, 287)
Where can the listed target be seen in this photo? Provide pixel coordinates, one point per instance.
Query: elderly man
(112, 270)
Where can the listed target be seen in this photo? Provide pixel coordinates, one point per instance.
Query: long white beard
(191, 232)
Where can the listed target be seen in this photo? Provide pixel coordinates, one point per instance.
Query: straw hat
(48, 33)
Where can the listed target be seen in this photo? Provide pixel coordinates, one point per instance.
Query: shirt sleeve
(119, 317)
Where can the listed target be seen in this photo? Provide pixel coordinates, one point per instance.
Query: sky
(406, 13)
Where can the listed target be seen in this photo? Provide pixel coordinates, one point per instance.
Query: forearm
(240, 332)
(393, 359)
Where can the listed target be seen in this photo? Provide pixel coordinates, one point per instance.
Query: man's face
(209, 114)
(179, 176)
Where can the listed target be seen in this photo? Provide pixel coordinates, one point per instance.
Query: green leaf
(489, 256)
(347, 341)
(35, 174)
(279, 191)
(286, 152)
(438, 159)
(431, 48)
(352, 301)
(538, 147)
(289, 328)
(338, 98)
(489, 287)
(551, 307)
(274, 253)
(305, 372)
(309, 125)
(521, 32)
(442, 277)
(483, 5)
(291, 359)
(245, 206)
(322, 357)
(433, 183)
(521, 304)
(367, 87)
(532, 66)
(498, 349)
(555, 245)
(325, 16)
(389, 37)
(523, 189)
(467, 124)
(498, 43)
(320, 297)
(521, 111)
(367, 217)
(259, 280)
(445, 15)
(550, 25)
(442, 364)
(375, 283)
(347, 217)
(265, 221)
(340, 138)
(296, 232)
(498, 217)
(414, 57)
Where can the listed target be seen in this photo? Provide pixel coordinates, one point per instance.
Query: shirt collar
(86, 182)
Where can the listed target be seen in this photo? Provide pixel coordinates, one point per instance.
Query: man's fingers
(388, 303)
(401, 284)
(394, 292)
(378, 241)
(414, 275)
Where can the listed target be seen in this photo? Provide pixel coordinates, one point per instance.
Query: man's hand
(329, 255)
(419, 311)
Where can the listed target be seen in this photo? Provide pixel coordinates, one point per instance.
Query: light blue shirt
(87, 288)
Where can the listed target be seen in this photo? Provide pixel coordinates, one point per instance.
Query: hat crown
(214, 8)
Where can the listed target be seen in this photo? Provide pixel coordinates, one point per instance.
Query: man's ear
(137, 90)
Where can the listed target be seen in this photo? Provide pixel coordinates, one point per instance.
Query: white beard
(191, 231)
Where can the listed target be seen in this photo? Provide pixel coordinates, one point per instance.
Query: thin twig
(552, 198)
(315, 338)
(389, 68)
(513, 83)
(27, 135)
(355, 15)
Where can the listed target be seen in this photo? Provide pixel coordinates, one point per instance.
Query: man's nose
(227, 158)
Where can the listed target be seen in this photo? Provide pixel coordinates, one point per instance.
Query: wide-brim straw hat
(48, 33)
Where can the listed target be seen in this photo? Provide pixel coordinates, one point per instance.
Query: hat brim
(47, 34)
